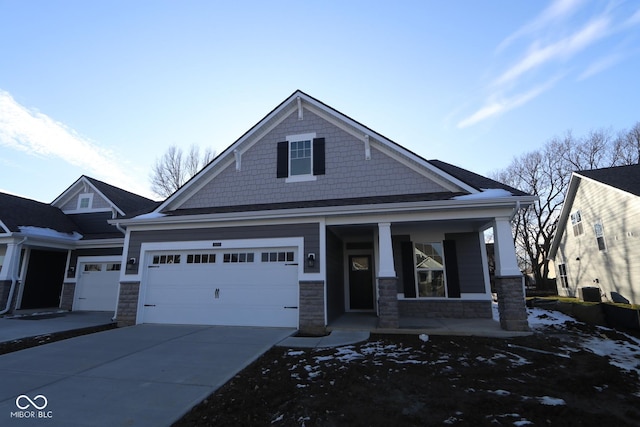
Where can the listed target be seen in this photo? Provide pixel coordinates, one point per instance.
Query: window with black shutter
(301, 158)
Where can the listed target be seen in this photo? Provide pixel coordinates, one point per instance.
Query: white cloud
(558, 10)
(556, 42)
(600, 65)
(37, 134)
(496, 107)
(564, 48)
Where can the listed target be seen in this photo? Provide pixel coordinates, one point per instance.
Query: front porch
(422, 276)
(421, 325)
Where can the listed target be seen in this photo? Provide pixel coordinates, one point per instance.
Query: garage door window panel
(240, 257)
(166, 259)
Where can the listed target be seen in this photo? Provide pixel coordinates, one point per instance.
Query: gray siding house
(310, 215)
(597, 244)
(64, 254)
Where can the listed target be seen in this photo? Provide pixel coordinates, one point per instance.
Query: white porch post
(10, 262)
(387, 268)
(506, 263)
(511, 302)
(388, 311)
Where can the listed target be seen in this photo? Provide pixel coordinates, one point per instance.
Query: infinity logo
(30, 402)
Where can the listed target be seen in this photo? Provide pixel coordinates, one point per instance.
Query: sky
(103, 88)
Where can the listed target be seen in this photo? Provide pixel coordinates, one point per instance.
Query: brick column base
(128, 303)
(388, 314)
(511, 304)
(66, 299)
(311, 308)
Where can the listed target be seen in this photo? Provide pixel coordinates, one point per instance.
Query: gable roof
(298, 100)
(16, 212)
(479, 182)
(125, 202)
(625, 178)
(130, 203)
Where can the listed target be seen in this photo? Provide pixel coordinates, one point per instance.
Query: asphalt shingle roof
(17, 211)
(625, 178)
(130, 203)
(473, 179)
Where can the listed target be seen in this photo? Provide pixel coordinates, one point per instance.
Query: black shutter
(318, 156)
(451, 265)
(283, 160)
(408, 270)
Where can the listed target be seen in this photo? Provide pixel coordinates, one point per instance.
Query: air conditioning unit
(590, 294)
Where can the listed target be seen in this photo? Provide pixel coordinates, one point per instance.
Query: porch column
(387, 268)
(509, 287)
(9, 270)
(388, 316)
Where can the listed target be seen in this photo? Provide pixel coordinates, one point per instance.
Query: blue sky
(103, 88)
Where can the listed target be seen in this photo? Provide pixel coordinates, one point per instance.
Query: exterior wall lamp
(311, 260)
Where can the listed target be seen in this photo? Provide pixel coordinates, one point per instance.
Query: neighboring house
(64, 254)
(597, 243)
(310, 215)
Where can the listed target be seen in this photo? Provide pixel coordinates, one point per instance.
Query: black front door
(360, 282)
(43, 284)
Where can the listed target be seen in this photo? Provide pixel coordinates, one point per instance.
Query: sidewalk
(49, 322)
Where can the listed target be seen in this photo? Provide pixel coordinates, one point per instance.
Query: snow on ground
(624, 354)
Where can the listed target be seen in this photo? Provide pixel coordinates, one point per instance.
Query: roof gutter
(15, 265)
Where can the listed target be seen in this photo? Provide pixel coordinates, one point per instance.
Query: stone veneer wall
(457, 309)
(388, 313)
(66, 299)
(128, 303)
(511, 304)
(311, 307)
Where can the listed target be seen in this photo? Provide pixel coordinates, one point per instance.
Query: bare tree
(174, 168)
(546, 173)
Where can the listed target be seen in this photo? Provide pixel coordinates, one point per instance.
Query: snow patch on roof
(48, 232)
(485, 193)
(150, 215)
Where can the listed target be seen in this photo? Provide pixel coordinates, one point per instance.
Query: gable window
(562, 269)
(576, 221)
(85, 201)
(602, 245)
(300, 158)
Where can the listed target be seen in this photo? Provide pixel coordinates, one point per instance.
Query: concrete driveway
(145, 375)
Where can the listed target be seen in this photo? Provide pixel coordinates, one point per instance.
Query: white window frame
(598, 229)
(298, 138)
(576, 222)
(85, 196)
(563, 276)
(426, 269)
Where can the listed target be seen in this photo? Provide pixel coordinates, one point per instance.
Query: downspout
(515, 210)
(14, 276)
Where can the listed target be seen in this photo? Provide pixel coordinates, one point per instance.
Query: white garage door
(97, 286)
(240, 287)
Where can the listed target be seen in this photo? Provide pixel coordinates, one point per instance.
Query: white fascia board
(567, 206)
(227, 157)
(100, 243)
(75, 189)
(448, 209)
(47, 242)
(4, 229)
(390, 148)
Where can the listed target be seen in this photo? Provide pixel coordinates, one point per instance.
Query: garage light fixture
(311, 260)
